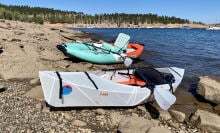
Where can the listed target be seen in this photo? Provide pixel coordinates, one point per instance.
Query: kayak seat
(133, 81)
(109, 47)
(151, 75)
(120, 44)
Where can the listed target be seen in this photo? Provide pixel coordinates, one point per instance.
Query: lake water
(195, 50)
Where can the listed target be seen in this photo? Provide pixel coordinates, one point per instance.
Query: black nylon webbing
(60, 80)
(91, 80)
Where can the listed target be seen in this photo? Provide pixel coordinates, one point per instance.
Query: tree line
(41, 15)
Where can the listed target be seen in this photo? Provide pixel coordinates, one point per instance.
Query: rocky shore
(27, 48)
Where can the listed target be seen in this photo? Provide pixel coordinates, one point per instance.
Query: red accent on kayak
(135, 51)
(133, 81)
(138, 49)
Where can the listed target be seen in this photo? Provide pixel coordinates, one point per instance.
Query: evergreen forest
(41, 15)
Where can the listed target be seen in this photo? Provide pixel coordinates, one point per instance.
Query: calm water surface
(195, 50)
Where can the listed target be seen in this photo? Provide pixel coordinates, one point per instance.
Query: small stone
(158, 130)
(67, 116)
(181, 131)
(165, 115)
(147, 115)
(19, 33)
(35, 81)
(142, 108)
(179, 116)
(100, 111)
(78, 123)
(130, 110)
(134, 114)
(39, 106)
(52, 130)
(45, 109)
(194, 120)
(175, 125)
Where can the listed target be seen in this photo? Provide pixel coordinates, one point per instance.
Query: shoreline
(106, 25)
(28, 48)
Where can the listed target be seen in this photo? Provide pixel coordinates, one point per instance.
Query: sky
(206, 11)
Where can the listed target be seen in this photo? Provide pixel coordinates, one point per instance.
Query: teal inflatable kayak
(103, 53)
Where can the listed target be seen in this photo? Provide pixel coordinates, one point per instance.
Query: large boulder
(209, 88)
(136, 124)
(206, 120)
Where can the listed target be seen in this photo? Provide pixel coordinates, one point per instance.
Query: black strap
(61, 84)
(175, 71)
(171, 87)
(91, 80)
(128, 73)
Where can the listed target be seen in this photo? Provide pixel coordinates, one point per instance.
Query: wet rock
(78, 123)
(158, 130)
(179, 116)
(208, 121)
(136, 124)
(209, 88)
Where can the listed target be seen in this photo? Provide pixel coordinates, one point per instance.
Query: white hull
(213, 28)
(79, 91)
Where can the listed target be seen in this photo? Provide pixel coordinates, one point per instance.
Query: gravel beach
(26, 48)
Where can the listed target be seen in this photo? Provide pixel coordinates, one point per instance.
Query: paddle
(163, 97)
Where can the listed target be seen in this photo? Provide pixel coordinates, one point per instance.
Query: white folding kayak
(116, 87)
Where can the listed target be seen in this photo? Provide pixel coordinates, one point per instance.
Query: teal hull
(90, 53)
